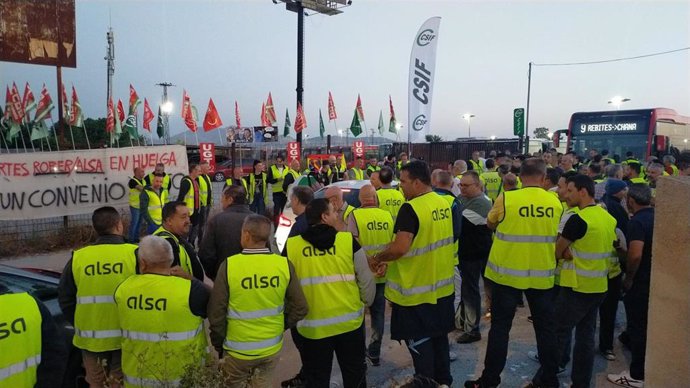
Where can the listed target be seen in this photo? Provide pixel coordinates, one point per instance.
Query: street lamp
(167, 107)
(468, 117)
(618, 101)
(493, 137)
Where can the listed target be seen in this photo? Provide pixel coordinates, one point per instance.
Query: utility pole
(166, 108)
(110, 58)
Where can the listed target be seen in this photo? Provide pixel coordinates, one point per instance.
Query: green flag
(160, 129)
(288, 125)
(392, 126)
(322, 129)
(355, 127)
(131, 126)
(381, 126)
(39, 130)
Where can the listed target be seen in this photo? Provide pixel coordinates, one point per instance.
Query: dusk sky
(241, 50)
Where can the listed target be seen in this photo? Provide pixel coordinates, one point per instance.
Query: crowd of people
(569, 235)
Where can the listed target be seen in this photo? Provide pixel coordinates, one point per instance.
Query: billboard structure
(252, 134)
(40, 32)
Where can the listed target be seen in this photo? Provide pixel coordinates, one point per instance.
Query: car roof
(6, 269)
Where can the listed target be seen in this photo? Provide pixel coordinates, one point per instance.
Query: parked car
(224, 169)
(287, 217)
(43, 285)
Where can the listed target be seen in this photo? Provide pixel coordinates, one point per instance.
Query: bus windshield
(616, 145)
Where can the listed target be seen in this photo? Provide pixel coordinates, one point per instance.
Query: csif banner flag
(421, 81)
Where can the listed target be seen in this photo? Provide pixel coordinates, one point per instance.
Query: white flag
(421, 82)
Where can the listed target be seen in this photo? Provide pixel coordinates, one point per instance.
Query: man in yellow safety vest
(255, 298)
(136, 187)
(174, 229)
(85, 293)
(151, 202)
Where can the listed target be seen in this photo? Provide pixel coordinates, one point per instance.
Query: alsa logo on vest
(311, 251)
(393, 202)
(440, 214)
(377, 225)
(102, 269)
(142, 303)
(536, 211)
(250, 282)
(18, 326)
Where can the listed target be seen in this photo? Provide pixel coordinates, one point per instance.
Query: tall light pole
(166, 109)
(468, 117)
(618, 101)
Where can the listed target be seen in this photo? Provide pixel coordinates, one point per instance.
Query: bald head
(367, 196)
(335, 196)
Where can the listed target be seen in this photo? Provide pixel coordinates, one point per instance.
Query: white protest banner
(53, 184)
(421, 81)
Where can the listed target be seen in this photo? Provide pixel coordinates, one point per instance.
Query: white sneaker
(624, 380)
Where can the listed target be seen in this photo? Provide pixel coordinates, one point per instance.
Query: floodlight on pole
(468, 117)
(167, 107)
(618, 101)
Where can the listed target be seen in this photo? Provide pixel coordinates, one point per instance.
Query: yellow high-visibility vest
(20, 340)
(375, 227)
(134, 193)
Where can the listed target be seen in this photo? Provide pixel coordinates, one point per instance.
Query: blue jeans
(151, 227)
(504, 301)
(377, 311)
(258, 206)
(134, 224)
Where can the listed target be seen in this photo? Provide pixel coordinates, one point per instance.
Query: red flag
(8, 104)
(45, 105)
(331, 108)
(186, 104)
(76, 115)
(212, 119)
(360, 111)
(65, 104)
(16, 104)
(120, 111)
(187, 112)
(300, 120)
(110, 117)
(270, 111)
(264, 121)
(148, 115)
(237, 115)
(133, 100)
(28, 99)
(390, 102)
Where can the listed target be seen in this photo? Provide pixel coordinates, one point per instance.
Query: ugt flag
(421, 80)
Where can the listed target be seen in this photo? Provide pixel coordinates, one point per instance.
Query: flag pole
(131, 143)
(21, 135)
(86, 135)
(151, 133)
(74, 147)
(220, 137)
(4, 141)
(196, 135)
(25, 125)
(57, 143)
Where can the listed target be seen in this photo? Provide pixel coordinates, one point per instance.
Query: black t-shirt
(407, 220)
(575, 228)
(641, 228)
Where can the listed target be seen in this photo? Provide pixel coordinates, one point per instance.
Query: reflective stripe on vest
(522, 254)
(166, 336)
(96, 299)
(19, 367)
(20, 346)
(161, 336)
(203, 189)
(330, 286)
(98, 270)
(251, 187)
(421, 275)
(134, 193)
(375, 228)
(257, 285)
(588, 271)
(98, 334)
(256, 345)
(359, 174)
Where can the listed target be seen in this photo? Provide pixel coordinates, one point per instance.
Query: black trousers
(430, 358)
(607, 313)
(471, 301)
(503, 304)
(349, 348)
(279, 202)
(636, 304)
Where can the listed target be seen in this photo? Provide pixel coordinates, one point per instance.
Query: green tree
(434, 138)
(541, 133)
